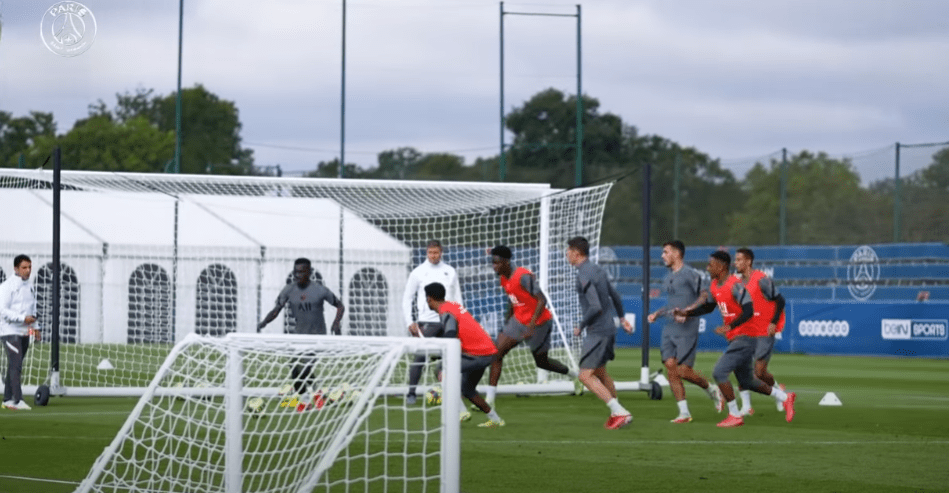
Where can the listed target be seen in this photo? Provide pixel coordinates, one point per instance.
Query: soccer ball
(254, 406)
(434, 396)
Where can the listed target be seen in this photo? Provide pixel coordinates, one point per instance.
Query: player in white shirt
(17, 316)
(426, 320)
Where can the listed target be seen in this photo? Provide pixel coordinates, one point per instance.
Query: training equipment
(434, 396)
(148, 258)
(41, 397)
(207, 442)
(830, 399)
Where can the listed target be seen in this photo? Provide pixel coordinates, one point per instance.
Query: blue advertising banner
(820, 327)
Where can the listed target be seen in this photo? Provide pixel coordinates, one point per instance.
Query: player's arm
(6, 297)
(454, 290)
(702, 305)
(340, 309)
(531, 286)
(594, 308)
(747, 307)
(408, 298)
(282, 299)
(449, 325)
(618, 305)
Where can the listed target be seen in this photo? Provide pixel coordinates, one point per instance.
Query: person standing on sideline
(305, 299)
(477, 348)
(530, 321)
(601, 311)
(727, 293)
(17, 316)
(427, 321)
(768, 319)
(680, 337)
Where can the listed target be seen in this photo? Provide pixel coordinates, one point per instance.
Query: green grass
(891, 434)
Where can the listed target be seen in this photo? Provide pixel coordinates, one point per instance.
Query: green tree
(397, 164)
(99, 143)
(18, 134)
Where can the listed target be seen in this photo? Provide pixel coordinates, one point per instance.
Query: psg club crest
(68, 28)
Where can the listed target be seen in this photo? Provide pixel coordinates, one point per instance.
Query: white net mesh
(214, 419)
(149, 258)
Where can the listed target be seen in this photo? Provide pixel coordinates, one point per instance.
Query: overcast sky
(737, 80)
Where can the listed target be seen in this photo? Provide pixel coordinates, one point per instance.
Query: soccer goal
(213, 420)
(147, 259)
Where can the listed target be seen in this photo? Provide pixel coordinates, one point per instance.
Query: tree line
(693, 197)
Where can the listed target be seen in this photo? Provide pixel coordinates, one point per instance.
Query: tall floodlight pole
(578, 179)
(181, 9)
(342, 102)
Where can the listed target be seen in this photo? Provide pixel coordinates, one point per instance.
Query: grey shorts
(472, 369)
(738, 358)
(765, 348)
(680, 346)
(597, 350)
(539, 342)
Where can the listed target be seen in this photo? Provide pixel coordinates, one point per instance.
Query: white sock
(745, 399)
(733, 408)
(616, 409)
(778, 394)
(493, 416)
(684, 407)
(572, 374)
(492, 393)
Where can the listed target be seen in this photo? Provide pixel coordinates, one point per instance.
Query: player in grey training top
(600, 307)
(305, 299)
(680, 337)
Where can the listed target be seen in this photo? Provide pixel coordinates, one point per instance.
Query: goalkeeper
(305, 299)
(477, 348)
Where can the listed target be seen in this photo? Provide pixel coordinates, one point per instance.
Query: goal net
(213, 420)
(148, 258)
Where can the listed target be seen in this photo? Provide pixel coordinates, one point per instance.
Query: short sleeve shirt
(682, 288)
(306, 305)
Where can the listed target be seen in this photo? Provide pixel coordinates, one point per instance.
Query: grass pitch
(891, 434)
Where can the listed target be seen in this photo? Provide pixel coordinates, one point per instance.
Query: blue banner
(818, 327)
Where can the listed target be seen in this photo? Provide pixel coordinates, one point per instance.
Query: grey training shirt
(600, 304)
(306, 305)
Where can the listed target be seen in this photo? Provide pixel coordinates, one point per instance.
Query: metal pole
(896, 198)
(675, 193)
(55, 298)
(21, 163)
(647, 171)
(181, 8)
(342, 102)
(501, 163)
(783, 219)
(578, 178)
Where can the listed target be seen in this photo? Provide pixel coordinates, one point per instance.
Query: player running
(601, 310)
(305, 299)
(680, 336)
(477, 348)
(531, 321)
(727, 292)
(768, 320)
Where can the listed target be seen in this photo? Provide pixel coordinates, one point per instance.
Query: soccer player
(531, 321)
(433, 269)
(601, 312)
(477, 348)
(680, 337)
(768, 319)
(727, 292)
(17, 316)
(305, 299)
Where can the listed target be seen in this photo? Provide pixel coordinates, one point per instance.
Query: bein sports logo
(862, 273)
(823, 328)
(915, 330)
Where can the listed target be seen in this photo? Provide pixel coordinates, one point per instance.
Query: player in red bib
(530, 321)
(477, 348)
(768, 320)
(729, 295)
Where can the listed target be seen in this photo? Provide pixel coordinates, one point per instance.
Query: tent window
(368, 310)
(68, 306)
(216, 304)
(150, 306)
(289, 321)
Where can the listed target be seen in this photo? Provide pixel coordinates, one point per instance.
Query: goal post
(213, 419)
(147, 259)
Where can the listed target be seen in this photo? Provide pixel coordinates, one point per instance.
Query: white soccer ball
(254, 406)
(434, 396)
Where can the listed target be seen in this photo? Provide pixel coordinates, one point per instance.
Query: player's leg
(746, 376)
(429, 329)
(12, 391)
(596, 352)
(734, 356)
(510, 337)
(762, 357)
(539, 343)
(472, 370)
